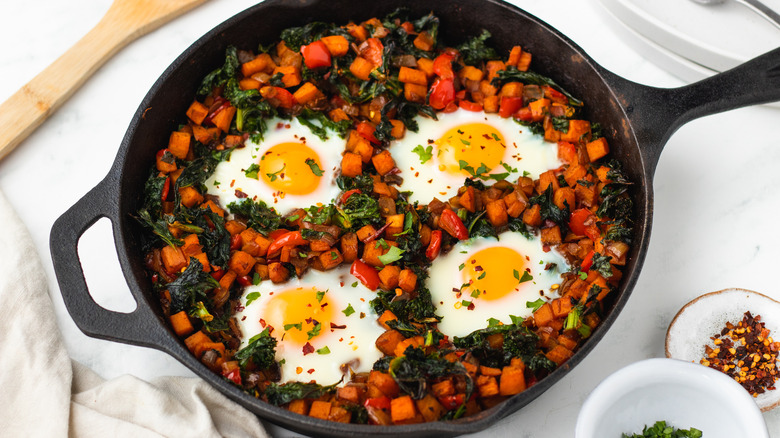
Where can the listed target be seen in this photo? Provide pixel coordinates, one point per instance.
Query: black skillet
(638, 121)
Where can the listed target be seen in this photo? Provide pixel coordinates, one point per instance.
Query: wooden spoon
(125, 21)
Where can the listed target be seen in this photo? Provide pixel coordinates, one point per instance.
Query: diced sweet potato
(415, 342)
(389, 276)
(191, 245)
(430, 408)
(234, 227)
(489, 371)
(402, 409)
(383, 382)
(496, 213)
(547, 179)
(445, 387)
(351, 393)
(277, 273)
(349, 247)
(190, 197)
(361, 68)
(543, 315)
(351, 165)
(179, 144)
(299, 406)
(551, 236)
(407, 280)
(365, 232)
(597, 149)
(195, 342)
(374, 249)
(512, 381)
(181, 323)
(173, 259)
(559, 354)
(331, 258)
(197, 112)
(415, 93)
(339, 415)
(383, 162)
(388, 341)
(487, 385)
(412, 75)
(533, 216)
(564, 197)
(320, 409)
(578, 129)
(561, 307)
(241, 263)
(385, 317)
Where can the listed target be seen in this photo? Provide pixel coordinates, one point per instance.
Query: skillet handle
(139, 327)
(656, 113)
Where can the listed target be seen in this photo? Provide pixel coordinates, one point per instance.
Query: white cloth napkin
(43, 393)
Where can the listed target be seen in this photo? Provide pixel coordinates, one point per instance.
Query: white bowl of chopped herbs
(669, 398)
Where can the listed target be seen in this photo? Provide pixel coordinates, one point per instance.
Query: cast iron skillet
(638, 121)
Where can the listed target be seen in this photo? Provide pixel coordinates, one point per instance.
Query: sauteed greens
(369, 83)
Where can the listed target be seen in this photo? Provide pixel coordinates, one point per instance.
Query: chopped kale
(295, 37)
(414, 370)
(550, 211)
(475, 50)
(363, 182)
(259, 216)
(282, 394)
(220, 76)
(260, 351)
(159, 227)
(308, 116)
(602, 265)
(512, 74)
(191, 286)
(361, 209)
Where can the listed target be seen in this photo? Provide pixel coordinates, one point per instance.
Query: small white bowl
(681, 393)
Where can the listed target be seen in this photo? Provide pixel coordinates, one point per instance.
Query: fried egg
(290, 168)
(436, 159)
(483, 278)
(323, 323)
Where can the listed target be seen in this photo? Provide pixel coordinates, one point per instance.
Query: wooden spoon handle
(125, 21)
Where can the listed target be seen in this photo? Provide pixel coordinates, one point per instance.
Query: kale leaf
(159, 227)
(550, 211)
(220, 76)
(475, 50)
(361, 209)
(602, 265)
(419, 309)
(191, 286)
(259, 216)
(512, 74)
(282, 394)
(260, 351)
(414, 370)
(308, 116)
(362, 182)
(153, 189)
(295, 37)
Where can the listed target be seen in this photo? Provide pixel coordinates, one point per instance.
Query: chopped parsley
(425, 154)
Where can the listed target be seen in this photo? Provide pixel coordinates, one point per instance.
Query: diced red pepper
(372, 49)
(233, 375)
(451, 402)
(434, 246)
(290, 238)
(166, 189)
(275, 234)
(442, 93)
(378, 402)
(554, 95)
(217, 274)
(244, 280)
(349, 193)
(366, 130)
(524, 114)
(577, 223)
(509, 106)
(365, 273)
(219, 105)
(278, 97)
(470, 106)
(450, 108)
(451, 223)
(235, 242)
(316, 55)
(442, 66)
(587, 262)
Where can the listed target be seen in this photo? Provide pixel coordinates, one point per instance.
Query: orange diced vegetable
(543, 315)
(402, 409)
(337, 45)
(388, 341)
(190, 196)
(385, 317)
(224, 118)
(351, 165)
(597, 149)
(407, 280)
(197, 112)
(361, 68)
(415, 93)
(181, 323)
(179, 144)
(320, 409)
(412, 76)
(291, 75)
(173, 259)
(512, 381)
(514, 56)
(306, 93)
(241, 263)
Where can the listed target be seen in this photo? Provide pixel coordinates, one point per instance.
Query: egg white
(445, 277)
(353, 345)
(525, 152)
(229, 178)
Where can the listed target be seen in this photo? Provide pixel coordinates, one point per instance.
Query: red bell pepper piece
(577, 223)
(290, 238)
(451, 223)
(442, 93)
(166, 189)
(366, 130)
(233, 375)
(316, 55)
(442, 66)
(365, 273)
(373, 49)
(434, 246)
(378, 402)
(349, 193)
(451, 402)
(220, 104)
(470, 106)
(278, 97)
(244, 280)
(217, 274)
(509, 105)
(587, 262)
(524, 114)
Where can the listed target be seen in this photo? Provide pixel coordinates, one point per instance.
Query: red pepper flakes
(746, 353)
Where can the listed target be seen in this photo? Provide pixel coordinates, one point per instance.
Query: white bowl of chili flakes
(683, 394)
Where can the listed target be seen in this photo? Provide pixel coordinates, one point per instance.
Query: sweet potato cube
(430, 408)
(339, 415)
(524, 62)
(351, 393)
(424, 41)
(407, 280)
(299, 406)
(490, 104)
(496, 213)
(551, 236)
(388, 341)
(320, 409)
(204, 261)
(361, 68)
(351, 164)
(179, 144)
(512, 381)
(578, 129)
(383, 162)
(197, 112)
(402, 409)
(363, 148)
(398, 130)
(564, 197)
(224, 118)
(443, 388)
(415, 93)
(277, 273)
(412, 76)
(561, 307)
(227, 280)
(190, 197)
(383, 382)
(234, 227)
(559, 354)
(331, 258)
(349, 247)
(374, 249)
(489, 371)
(471, 73)
(514, 56)
(365, 232)
(547, 179)
(191, 245)
(487, 385)
(241, 263)
(306, 93)
(511, 89)
(516, 202)
(532, 216)
(291, 75)
(597, 149)
(426, 66)
(385, 317)
(543, 315)
(261, 63)
(337, 45)
(414, 342)
(388, 277)
(173, 259)
(195, 341)
(181, 324)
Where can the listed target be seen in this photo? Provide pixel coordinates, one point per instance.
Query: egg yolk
(292, 168)
(493, 272)
(295, 314)
(471, 149)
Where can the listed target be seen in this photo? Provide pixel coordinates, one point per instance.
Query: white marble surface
(716, 201)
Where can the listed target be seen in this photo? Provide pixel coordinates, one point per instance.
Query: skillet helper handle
(138, 327)
(656, 113)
